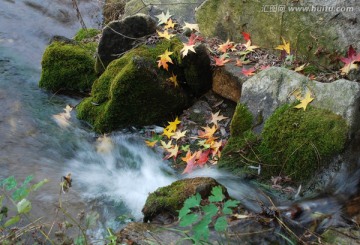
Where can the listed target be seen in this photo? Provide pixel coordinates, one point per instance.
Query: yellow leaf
(173, 125)
(191, 26)
(162, 18)
(305, 101)
(300, 68)
(184, 51)
(170, 24)
(285, 46)
(173, 79)
(165, 34)
(208, 133)
(168, 133)
(164, 59)
(150, 143)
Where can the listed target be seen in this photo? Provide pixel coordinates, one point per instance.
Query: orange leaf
(225, 46)
(164, 59)
(221, 61)
(190, 161)
(248, 72)
(208, 133)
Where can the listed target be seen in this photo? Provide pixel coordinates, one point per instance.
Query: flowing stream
(113, 181)
(112, 176)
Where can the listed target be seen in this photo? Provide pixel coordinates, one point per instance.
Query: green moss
(86, 33)
(293, 142)
(134, 91)
(68, 67)
(241, 121)
(171, 198)
(297, 143)
(239, 153)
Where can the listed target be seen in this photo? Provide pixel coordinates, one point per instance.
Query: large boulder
(68, 66)
(267, 132)
(180, 11)
(167, 201)
(121, 36)
(269, 89)
(316, 29)
(134, 91)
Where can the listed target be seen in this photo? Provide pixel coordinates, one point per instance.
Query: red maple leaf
(350, 61)
(194, 39)
(246, 36)
(248, 72)
(221, 61)
(203, 157)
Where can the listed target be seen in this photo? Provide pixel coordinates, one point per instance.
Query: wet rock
(269, 89)
(325, 34)
(167, 201)
(121, 36)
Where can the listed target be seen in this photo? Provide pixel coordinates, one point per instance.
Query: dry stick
(78, 14)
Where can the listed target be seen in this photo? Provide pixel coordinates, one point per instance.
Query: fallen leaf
(168, 133)
(285, 46)
(246, 36)
(248, 72)
(305, 101)
(165, 145)
(173, 125)
(225, 46)
(208, 132)
(165, 34)
(173, 152)
(194, 39)
(241, 62)
(185, 147)
(221, 61)
(184, 51)
(163, 18)
(351, 61)
(215, 118)
(179, 134)
(173, 79)
(164, 59)
(150, 143)
(190, 162)
(300, 68)
(170, 24)
(204, 144)
(191, 26)
(249, 47)
(202, 157)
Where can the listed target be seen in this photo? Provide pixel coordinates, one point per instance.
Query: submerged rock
(68, 66)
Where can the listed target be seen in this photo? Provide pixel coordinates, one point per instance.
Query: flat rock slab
(269, 89)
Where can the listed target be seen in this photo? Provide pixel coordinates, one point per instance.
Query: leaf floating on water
(62, 119)
(104, 145)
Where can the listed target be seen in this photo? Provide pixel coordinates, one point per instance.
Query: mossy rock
(85, 34)
(293, 142)
(170, 199)
(297, 143)
(133, 91)
(68, 67)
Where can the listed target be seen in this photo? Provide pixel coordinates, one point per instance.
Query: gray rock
(269, 89)
(181, 10)
(120, 36)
